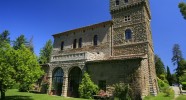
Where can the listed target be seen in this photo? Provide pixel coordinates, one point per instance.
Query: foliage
(123, 91)
(27, 68)
(160, 69)
(162, 85)
(7, 71)
(183, 78)
(182, 7)
(45, 53)
(87, 88)
(4, 37)
(13, 94)
(21, 40)
(183, 85)
(169, 76)
(168, 91)
(177, 57)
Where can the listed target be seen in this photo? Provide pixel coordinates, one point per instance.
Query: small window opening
(117, 2)
(95, 40)
(80, 42)
(74, 43)
(62, 45)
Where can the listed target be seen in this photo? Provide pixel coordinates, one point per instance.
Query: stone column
(65, 85)
(50, 81)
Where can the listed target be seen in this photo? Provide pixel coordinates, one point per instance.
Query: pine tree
(177, 57)
(45, 53)
(182, 7)
(4, 37)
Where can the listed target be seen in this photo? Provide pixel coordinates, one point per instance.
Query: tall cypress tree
(169, 76)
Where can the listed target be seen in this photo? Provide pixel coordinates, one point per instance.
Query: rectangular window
(62, 45)
(102, 84)
(117, 2)
(80, 42)
(74, 43)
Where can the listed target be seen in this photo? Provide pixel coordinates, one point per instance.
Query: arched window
(80, 43)
(95, 40)
(126, 1)
(74, 43)
(62, 45)
(128, 34)
(117, 2)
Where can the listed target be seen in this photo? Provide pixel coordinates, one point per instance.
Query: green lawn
(13, 94)
(181, 97)
(160, 96)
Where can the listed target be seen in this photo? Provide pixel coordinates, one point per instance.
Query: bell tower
(132, 34)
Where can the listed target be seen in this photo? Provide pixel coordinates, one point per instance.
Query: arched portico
(57, 81)
(74, 80)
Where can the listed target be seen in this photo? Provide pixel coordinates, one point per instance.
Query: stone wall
(103, 31)
(131, 72)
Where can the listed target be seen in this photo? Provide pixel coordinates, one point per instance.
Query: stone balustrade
(87, 56)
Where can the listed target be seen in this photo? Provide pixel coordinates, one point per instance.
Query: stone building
(119, 50)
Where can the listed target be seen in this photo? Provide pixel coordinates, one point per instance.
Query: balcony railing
(87, 56)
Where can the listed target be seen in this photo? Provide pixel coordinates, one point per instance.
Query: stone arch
(74, 80)
(57, 81)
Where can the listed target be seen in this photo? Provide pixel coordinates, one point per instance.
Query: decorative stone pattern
(115, 59)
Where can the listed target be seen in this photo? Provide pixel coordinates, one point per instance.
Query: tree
(182, 7)
(160, 69)
(169, 76)
(177, 57)
(21, 40)
(4, 37)
(87, 88)
(7, 71)
(27, 68)
(45, 53)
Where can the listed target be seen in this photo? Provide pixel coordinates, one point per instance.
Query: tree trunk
(2, 95)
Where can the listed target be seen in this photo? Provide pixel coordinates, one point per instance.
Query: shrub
(168, 91)
(162, 85)
(87, 88)
(183, 85)
(123, 91)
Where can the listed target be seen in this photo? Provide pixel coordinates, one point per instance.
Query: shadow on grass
(17, 97)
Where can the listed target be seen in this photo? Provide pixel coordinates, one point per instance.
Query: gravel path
(176, 91)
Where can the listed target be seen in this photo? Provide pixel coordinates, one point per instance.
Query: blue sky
(42, 18)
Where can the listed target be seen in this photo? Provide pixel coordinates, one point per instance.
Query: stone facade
(120, 50)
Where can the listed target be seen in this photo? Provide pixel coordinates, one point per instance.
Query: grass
(160, 96)
(181, 97)
(13, 94)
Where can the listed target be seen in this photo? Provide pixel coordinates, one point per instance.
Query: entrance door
(74, 80)
(57, 81)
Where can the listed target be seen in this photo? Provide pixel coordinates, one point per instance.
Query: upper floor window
(95, 40)
(128, 34)
(74, 43)
(126, 1)
(127, 18)
(62, 45)
(80, 43)
(117, 2)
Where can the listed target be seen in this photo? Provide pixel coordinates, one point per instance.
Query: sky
(41, 19)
